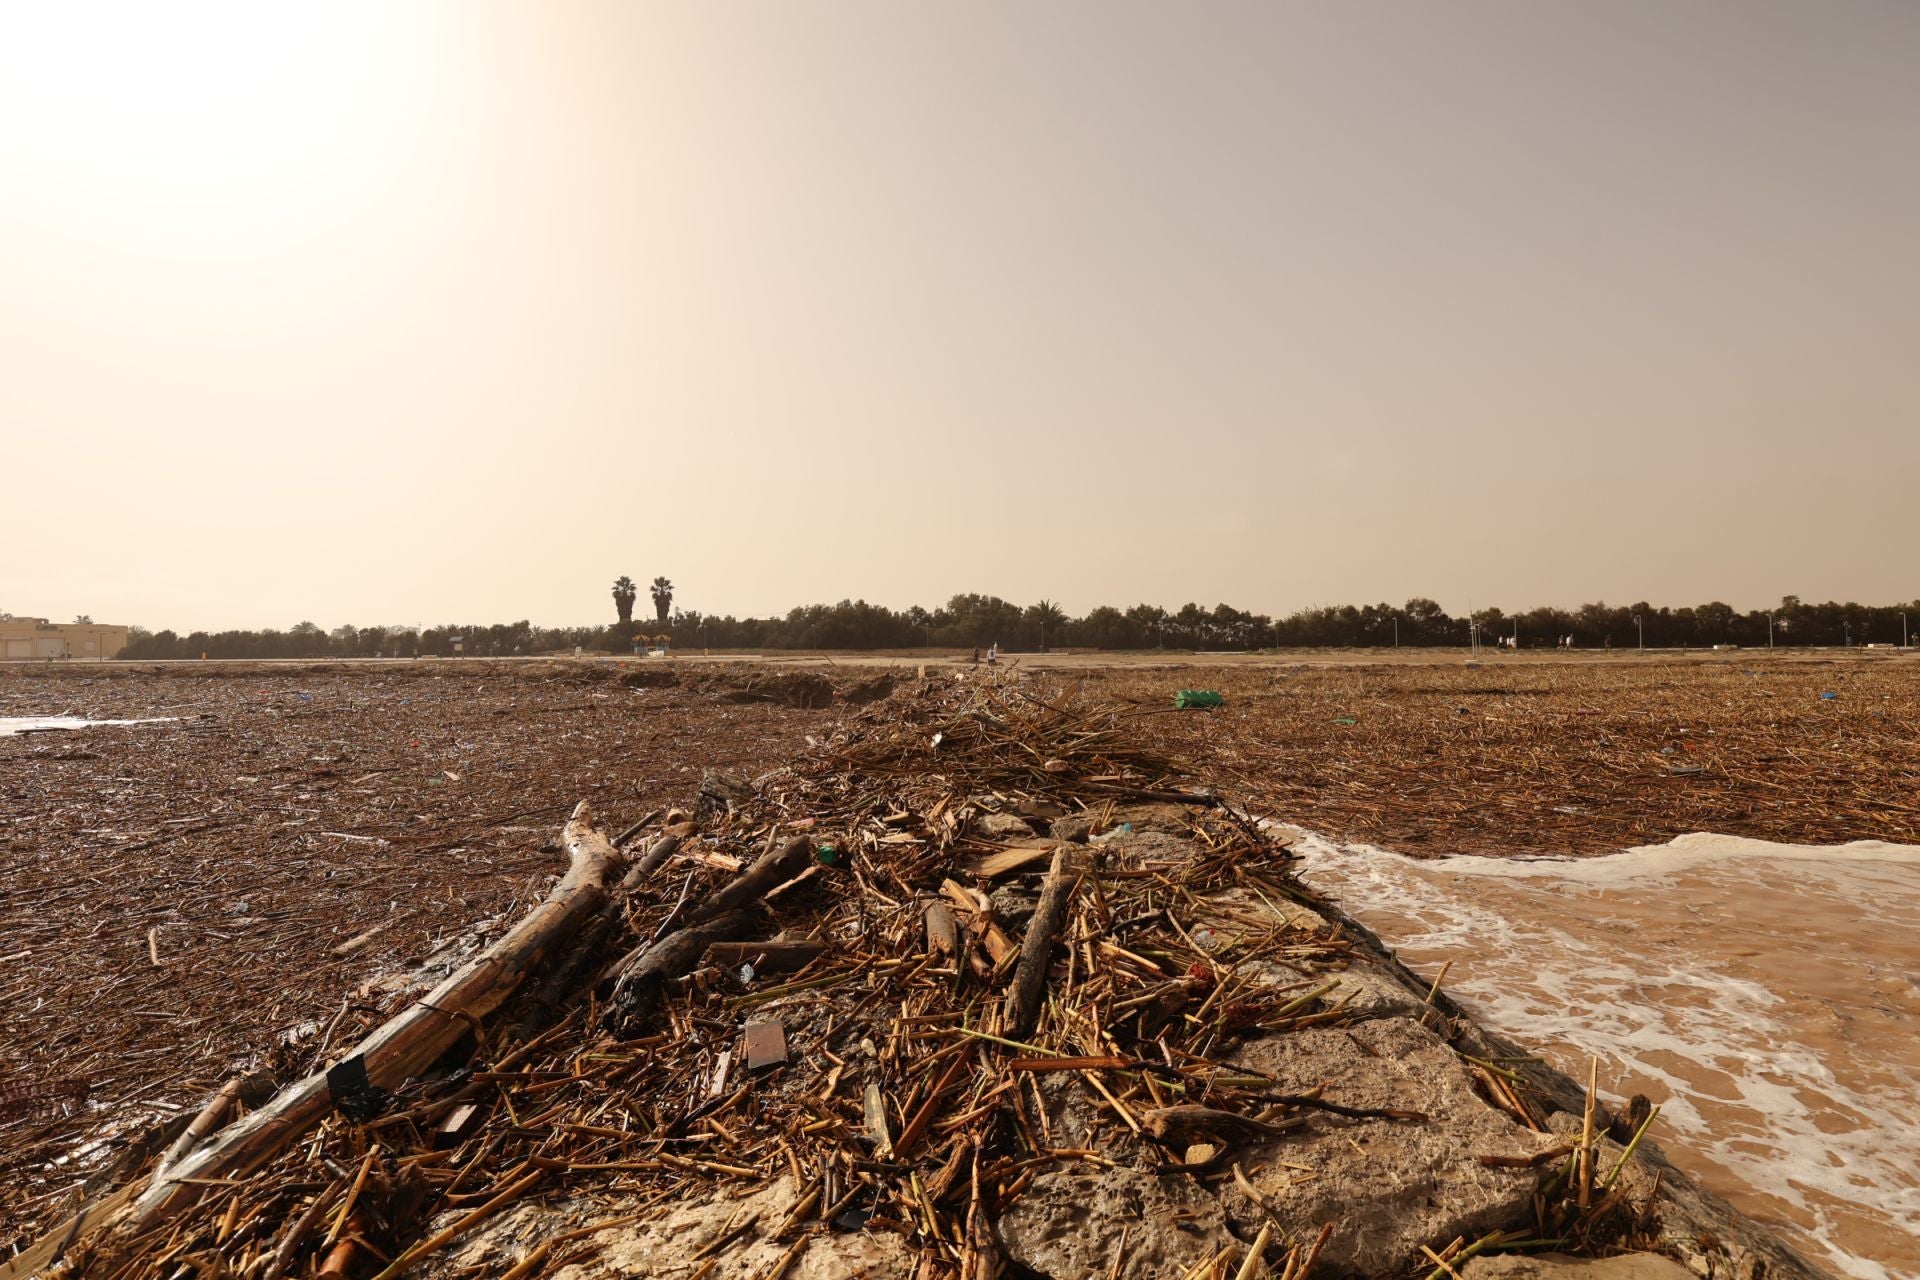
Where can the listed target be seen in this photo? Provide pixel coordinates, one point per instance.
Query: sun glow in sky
(157, 131)
(419, 310)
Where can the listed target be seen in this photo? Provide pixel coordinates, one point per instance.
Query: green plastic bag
(1187, 699)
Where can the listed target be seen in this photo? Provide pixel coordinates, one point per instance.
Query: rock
(1374, 993)
(1296, 914)
(1070, 1116)
(1168, 819)
(1163, 819)
(1001, 826)
(1075, 827)
(1388, 1186)
(1137, 848)
(1011, 907)
(666, 1244)
(1068, 1225)
(1558, 1266)
(721, 793)
(1695, 1225)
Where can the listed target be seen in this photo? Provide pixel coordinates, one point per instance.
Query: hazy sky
(406, 312)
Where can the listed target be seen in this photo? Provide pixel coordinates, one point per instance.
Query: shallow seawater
(1767, 996)
(11, 725)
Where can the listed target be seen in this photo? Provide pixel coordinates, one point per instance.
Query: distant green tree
(975, 619)
(624, 594)
(662, 598)
(1192, 625)
(1106, 628)
(1149, 623)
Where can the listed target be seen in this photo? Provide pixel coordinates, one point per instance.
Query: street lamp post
(1846, 625)
(1903, 628)
(1396, 631)
(1642, 631)
(1769, 631)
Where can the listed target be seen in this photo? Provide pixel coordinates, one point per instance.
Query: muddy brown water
(1766, 996)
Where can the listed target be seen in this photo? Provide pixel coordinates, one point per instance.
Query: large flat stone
(1558, 1266)
(666, 1245)
(1388, 1186)
(1068, 1224)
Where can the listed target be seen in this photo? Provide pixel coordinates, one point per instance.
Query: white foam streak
(1766, 995)
(12, 725)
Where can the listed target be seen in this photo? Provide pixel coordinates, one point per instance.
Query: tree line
(977, 621)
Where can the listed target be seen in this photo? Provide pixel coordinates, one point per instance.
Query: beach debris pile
(185, 896)
(977, 987)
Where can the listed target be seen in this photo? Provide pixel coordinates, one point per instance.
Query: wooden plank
(1015, 857)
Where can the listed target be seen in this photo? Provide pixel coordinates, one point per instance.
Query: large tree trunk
(405, 1046)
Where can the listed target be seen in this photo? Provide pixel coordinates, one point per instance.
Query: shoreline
(287, 725)
(1409, 1137)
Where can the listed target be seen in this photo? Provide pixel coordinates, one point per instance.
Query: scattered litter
(766, 1045)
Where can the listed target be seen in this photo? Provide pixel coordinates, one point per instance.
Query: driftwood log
(1036, 949)
(943, 931)
(403, 1047)
(768, 873)
(645, 975)
(731, 914)
(650, 861)
(254, 1089)
(776, 956)
(568, 976)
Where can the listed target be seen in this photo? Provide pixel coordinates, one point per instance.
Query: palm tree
(624, 594)
(662, 598)
(1046, 614)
